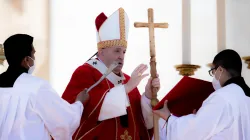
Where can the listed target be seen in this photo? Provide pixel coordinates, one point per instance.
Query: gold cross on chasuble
(126, 136)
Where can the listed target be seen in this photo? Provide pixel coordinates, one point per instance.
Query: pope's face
(112, 54)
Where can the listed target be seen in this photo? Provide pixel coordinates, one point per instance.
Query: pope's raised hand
(136, 77)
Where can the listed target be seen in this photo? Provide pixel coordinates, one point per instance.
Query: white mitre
(112, 30)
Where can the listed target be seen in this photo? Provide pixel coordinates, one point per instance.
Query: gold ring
(139, 74)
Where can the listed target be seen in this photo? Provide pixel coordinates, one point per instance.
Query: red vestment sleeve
(187, 95)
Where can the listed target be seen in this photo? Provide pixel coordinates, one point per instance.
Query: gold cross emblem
(126, 136)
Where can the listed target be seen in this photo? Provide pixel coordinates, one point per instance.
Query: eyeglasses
(211, 71)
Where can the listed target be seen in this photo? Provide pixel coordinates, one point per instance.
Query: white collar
(101, 67)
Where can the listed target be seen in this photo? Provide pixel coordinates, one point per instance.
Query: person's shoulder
(219, 96)
(229, 90)
(29, 82)
(31, 79)
(232, 93)
(84, 68)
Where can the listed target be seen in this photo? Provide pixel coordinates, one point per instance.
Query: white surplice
(224, 115)
(116, 100)
(32, 110)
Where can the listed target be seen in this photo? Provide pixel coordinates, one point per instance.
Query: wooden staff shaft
(153, 70)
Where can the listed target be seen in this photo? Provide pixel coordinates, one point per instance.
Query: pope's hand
(164, 113)
(136, 77)
(83, 97)
(154, 83)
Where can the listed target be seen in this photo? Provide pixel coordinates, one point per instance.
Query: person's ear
(220, 69)
(27, 59)
(101, 52)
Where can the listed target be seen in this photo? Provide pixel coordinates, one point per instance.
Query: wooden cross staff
(151, 25)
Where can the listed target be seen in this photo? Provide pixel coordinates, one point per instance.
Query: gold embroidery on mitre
(112, 43)
(122, 24)
(117, 42)
(125, 136)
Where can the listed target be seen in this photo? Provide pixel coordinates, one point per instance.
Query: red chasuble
(186, 96)
(111, 129)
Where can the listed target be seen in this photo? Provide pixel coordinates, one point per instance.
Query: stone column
(238, 30)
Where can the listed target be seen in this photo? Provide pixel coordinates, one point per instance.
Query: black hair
(17, 47)
(230, 60)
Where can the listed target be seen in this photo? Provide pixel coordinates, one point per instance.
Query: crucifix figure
(151, 25)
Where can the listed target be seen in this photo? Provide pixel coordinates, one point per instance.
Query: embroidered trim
(89, 131)
(111, 43)
(98, 103)
(143, 121)
(135, 125)
(133, 121)
(126, 136)
(116, 129)
(122, 24)
(90, 114)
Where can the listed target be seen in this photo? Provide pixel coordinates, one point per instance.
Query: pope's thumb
(166, 104)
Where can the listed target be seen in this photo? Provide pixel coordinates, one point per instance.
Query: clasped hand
(152, 82)
(164, 112)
